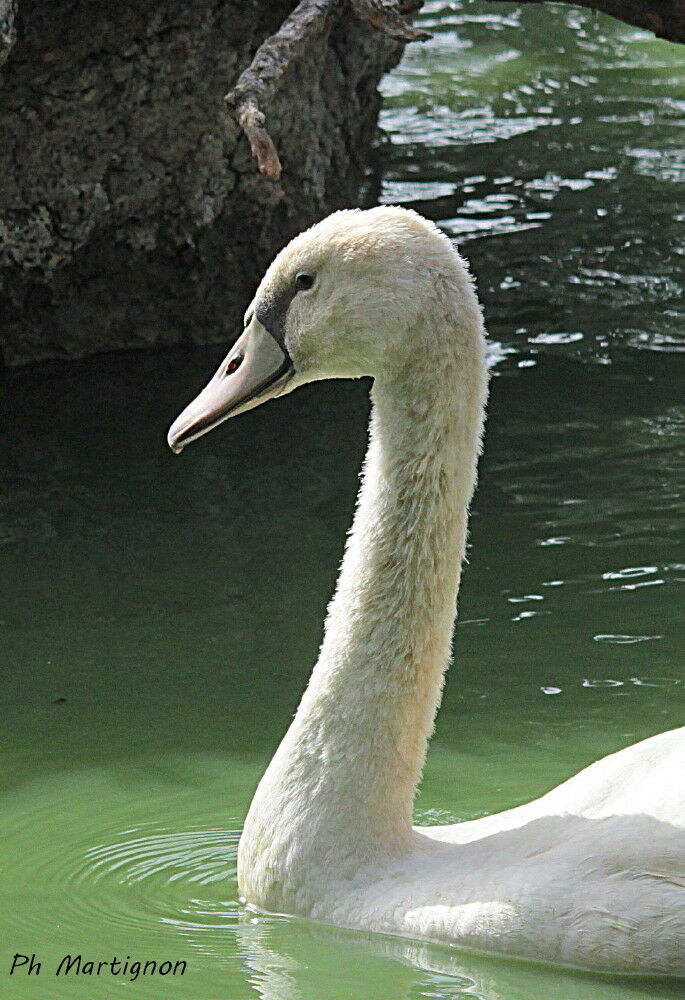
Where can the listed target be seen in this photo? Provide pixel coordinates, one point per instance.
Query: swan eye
(304, 281)
(234, 364)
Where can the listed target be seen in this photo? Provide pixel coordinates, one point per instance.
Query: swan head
(349, 297)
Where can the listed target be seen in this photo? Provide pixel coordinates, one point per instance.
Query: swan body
(591, 874)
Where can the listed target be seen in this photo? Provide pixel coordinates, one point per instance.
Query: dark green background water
(159, 616)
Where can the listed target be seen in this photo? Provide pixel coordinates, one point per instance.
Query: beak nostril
(234, 364)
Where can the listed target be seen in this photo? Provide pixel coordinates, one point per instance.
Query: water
(550, 143)
(159, 615)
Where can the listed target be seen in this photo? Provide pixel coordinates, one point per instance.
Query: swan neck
(373, 695)
(340, 787)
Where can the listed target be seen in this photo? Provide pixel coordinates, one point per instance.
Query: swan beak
(256, 368)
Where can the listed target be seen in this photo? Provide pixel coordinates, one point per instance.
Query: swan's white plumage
(591, 874)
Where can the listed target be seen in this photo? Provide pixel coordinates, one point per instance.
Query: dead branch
(311, 18)
(8, 34)
(257, 84)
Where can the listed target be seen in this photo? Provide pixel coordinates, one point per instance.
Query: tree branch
(666, 18)
(311, 18)
(257, 84)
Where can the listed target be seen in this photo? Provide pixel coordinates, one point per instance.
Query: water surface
(159, 616)
(549, 141)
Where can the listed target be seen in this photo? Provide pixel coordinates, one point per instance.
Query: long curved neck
(377, 684)
(346, 771)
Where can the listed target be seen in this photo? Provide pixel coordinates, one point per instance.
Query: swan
(592, 874)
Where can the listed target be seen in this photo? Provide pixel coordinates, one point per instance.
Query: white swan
(591, 874)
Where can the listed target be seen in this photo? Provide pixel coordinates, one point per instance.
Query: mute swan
(592, 874)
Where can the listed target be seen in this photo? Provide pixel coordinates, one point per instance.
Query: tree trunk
(131, 212)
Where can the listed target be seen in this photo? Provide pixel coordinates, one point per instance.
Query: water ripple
(587, 128)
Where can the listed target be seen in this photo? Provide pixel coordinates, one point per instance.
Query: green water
(159, 615)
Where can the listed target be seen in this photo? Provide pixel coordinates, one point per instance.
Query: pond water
(159, 616)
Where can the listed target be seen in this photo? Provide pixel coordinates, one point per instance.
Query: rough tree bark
(8, 11)
(131, 212)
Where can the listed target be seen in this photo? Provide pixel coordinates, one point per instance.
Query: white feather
(591, 874)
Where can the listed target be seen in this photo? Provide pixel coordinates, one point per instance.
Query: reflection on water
(145, 893)
(159, 616)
